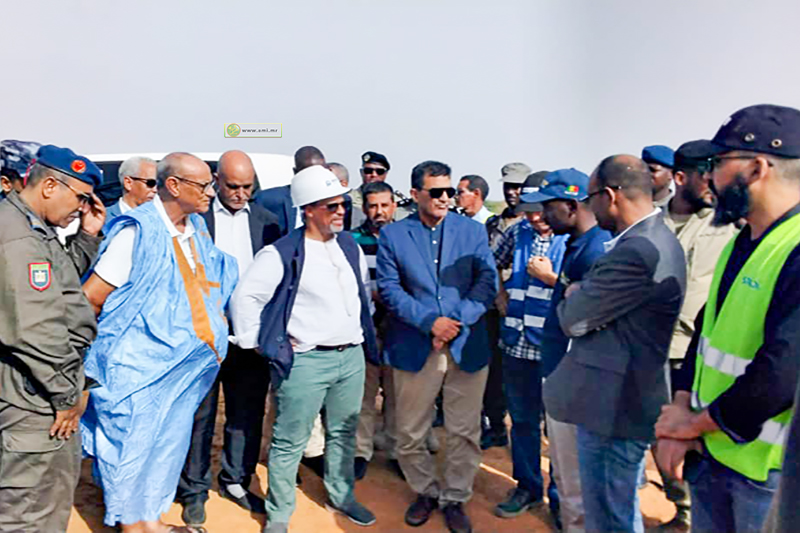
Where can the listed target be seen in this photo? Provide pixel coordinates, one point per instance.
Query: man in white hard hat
(304, 306)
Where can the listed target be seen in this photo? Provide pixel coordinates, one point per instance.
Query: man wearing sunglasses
(240, 228)
(725, 431)
(137, 176)
(437, 277)
(160, 288)
(305, 305)
(620, 317)
(46, 325)
(689, 214)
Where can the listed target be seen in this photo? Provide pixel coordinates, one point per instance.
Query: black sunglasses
(334, 206)
(378, 171)
(437, 192)
(150, 183)
(83, 198)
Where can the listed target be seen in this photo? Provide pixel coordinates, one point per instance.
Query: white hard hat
(315, 183)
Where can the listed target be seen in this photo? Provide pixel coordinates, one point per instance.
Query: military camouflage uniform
(45, 324)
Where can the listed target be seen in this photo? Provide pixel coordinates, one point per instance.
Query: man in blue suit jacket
(437, 277)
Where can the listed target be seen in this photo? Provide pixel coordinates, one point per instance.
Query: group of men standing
(625, 305)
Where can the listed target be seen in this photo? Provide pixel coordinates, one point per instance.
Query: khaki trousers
(365, 436)
(564, 458)
(415, 394)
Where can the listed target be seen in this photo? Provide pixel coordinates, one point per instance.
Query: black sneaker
(194, 513)
(420, 510)
(315, 464)
(360, 468)
(456, 519)
(248, 502)
(517, 502)
(355, 512)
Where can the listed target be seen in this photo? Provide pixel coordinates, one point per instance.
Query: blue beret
(17, 155)
(66, 161)
(659, 154)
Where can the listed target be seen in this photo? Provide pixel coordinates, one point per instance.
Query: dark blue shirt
(579, 258)
(436, 233)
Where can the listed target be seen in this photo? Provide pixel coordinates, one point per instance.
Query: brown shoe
(456, 519)
(419, 511)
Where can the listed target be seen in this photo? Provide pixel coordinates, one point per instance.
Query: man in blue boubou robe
(160, 288)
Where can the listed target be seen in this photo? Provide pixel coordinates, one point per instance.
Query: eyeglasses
(334, 206)
(718, 159)
(204, 187)
(437, 192)
(150, 183)
(604, 189)
(378, 171)
(83, 198)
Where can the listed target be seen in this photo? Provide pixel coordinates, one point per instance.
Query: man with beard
(304, 304)
(735, 395)
(689, 215)
(379, 206)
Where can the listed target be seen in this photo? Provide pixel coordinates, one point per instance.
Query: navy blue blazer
(111, 213)
(278, 201)
(415, 298)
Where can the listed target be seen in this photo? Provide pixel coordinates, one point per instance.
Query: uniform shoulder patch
(39, 275)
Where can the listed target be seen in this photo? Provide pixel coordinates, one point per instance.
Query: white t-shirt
(327, 309)
(115, 265)
(232, 233)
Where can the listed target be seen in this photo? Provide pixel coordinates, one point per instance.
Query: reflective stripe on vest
(530, 322)
(731, 338)
(540, 293)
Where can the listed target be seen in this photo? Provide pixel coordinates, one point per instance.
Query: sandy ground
(382, 491)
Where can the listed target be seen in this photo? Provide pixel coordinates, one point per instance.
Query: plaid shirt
(504, 255)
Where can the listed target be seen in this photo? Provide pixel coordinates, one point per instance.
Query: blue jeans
(523, 389)
(610, 470)
(724, 500)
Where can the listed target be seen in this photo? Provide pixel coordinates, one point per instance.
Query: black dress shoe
(249, 502)
(315, 464)
(194, 513)
(360, 468)
(456, 519)
(419, 511)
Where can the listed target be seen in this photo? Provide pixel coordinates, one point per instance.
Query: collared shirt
(123, 206)
(435, 235)
(482, 215)
(504, 255)
(613, 242)
(327, 308)
(115, 265)
(232, 233)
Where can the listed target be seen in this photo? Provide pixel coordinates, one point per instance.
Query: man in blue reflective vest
(534, 255)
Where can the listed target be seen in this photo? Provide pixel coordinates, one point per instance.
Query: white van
(272, 170)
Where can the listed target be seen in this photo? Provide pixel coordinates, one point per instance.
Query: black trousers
(245, 377)
(494, 401)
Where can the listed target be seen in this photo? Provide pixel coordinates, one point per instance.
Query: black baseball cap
(764, 128)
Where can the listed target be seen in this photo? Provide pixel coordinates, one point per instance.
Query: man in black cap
(375, 167)
(46, 324)
(689, 215)
(734, 401)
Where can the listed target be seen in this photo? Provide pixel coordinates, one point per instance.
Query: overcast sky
(554, 83)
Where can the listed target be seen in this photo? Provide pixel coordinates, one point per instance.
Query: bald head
(307, 156)
(626, 173)
(236, 179)
(185, 181)
(178, 164)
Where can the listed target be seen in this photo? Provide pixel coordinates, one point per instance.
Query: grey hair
(132, 166)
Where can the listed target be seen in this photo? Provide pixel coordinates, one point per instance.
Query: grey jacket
(613, 380)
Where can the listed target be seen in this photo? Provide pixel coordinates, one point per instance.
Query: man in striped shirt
(379, 207)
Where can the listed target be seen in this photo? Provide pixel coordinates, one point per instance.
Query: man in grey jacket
(612, 382)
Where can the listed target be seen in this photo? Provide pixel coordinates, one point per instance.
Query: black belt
(337, 348)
